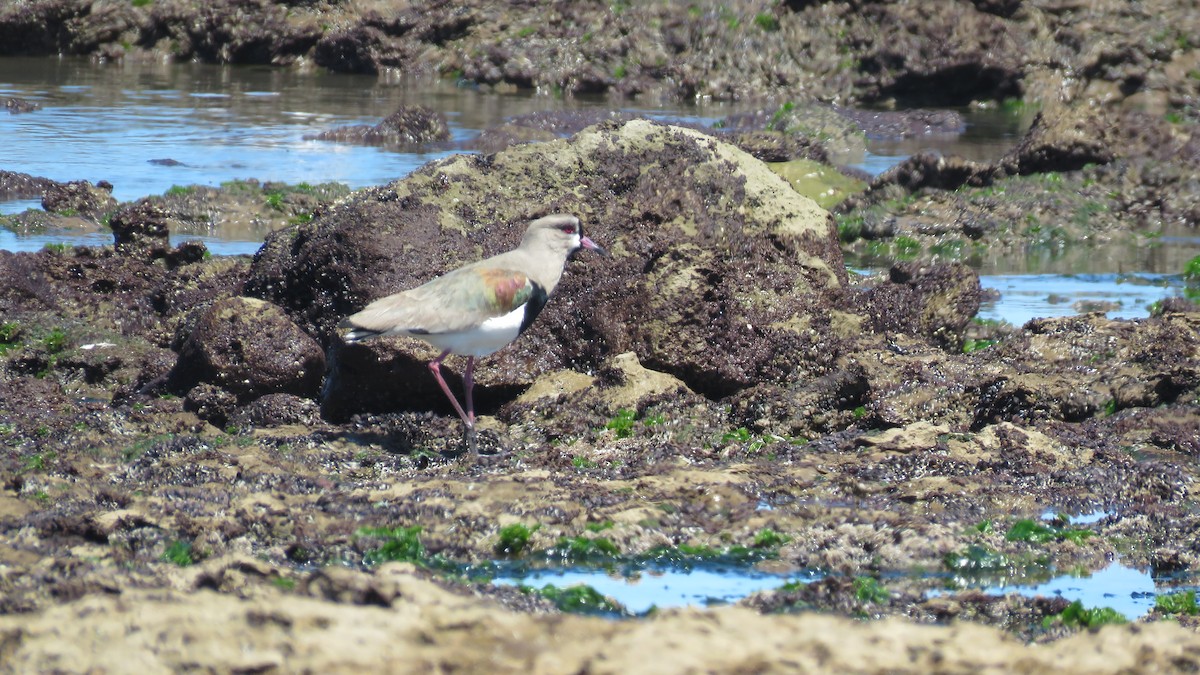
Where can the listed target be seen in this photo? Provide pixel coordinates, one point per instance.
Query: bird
(479, 308)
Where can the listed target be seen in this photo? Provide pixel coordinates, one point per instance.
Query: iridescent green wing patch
(505, 290)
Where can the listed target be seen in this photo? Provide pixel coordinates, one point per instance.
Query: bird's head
(560, 233)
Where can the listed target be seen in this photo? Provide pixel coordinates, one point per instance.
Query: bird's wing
(458, 301)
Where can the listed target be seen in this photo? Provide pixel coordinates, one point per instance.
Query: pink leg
(436, 367)
(469, 386)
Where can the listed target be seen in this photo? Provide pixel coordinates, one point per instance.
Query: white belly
(488, 337)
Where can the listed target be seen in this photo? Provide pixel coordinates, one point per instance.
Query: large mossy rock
(249, 348)
(720, 272)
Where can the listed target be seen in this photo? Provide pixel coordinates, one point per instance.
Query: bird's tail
(357, 334)
(352, 332)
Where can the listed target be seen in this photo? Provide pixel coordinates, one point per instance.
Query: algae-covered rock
(621, 387)
(934, 301)
(249, 348)
(819, 182)
(80, 198)
(17, 106)
(275, 410)
(714, 260)
(15, 185)
(142, 227)
(1081, 177)
(1063, 139)
(833, 135)
(232, 31)
(408, 125)
(941, 54)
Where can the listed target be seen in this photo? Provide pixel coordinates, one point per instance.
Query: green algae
(400, 544)
(1037, 533)
(578, 599)
(870, 590)
(821, 183)
(513, 539)
(1183, 602)
(1078, 616)
(179, 552)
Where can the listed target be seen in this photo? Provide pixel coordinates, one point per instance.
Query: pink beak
(589, 244)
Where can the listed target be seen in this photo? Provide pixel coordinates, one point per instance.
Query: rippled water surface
(220, 123)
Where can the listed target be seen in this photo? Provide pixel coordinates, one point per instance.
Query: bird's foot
(482, 447)
(471, 440)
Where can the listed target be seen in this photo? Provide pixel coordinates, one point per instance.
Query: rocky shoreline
(950, 53)
(199, 474)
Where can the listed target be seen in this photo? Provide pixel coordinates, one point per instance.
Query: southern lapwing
(477, 309)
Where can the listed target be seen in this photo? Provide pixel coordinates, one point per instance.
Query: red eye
(568, 229)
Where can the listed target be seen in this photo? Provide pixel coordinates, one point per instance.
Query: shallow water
(221, 123)
(640, 587)
(117, 122)
(17, 243)
(1022, 297)
(1127, 590)
(1119, 296)
(989, 134)
(1081, 519)
(662, 588)
(110, 123)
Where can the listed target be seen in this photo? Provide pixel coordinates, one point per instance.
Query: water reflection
(988, 136)
(221, 122)
(1120, 296)
(1125, 589)
(662, 588)
(10, 241)
(18, 243)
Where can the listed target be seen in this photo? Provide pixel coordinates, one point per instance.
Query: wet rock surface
(249, 348)
(141, 229)
(1081, 178)
(93, 202)
(407, 126)
(15, 185)
(19, 105)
